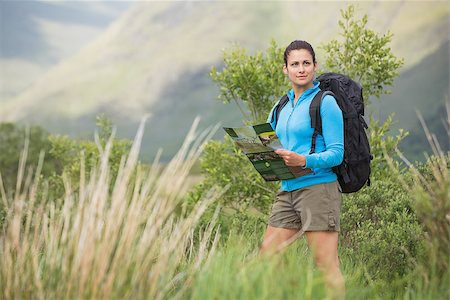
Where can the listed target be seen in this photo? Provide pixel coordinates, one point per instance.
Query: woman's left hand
(291, 158)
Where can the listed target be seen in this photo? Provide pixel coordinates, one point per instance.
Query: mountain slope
(35, 35)
(423, 88)
(155, 60)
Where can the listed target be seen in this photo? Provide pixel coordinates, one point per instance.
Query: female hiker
(313, 199)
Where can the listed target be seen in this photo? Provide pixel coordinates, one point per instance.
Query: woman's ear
(285, 71)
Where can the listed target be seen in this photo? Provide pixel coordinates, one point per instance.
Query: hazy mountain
(156, 58)
(23, 30)
(36, 35)
(423, 88)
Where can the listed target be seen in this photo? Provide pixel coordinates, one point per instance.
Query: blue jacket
(295, 133)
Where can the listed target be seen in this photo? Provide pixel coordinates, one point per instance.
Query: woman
(313, 199)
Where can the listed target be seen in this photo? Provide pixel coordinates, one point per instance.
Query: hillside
(423, 88)
(36, 35)
(155, 60)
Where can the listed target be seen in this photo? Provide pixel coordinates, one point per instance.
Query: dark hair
(297, 45)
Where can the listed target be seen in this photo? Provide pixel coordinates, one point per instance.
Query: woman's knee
(327, 262)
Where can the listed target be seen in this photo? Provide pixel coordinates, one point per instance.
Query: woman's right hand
(291, 158)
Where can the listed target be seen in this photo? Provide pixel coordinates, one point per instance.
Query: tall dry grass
(431, 194)
(130, 241)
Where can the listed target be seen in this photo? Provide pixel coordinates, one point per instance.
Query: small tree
(366, 57)
(363, 55)
(255, 80)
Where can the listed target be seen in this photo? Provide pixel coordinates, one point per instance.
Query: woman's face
(300, 68)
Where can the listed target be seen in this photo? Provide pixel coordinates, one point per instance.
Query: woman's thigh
(276, 238)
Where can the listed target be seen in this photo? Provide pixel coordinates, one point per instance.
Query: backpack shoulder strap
(316, 119)
(277, 109)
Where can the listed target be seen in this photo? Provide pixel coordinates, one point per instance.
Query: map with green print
(259, 142)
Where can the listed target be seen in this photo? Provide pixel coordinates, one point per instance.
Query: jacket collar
(306, 93)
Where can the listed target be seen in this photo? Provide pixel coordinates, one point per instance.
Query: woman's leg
(324, 245)
(276, 239)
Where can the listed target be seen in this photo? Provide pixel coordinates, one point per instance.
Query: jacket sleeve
(333, 135)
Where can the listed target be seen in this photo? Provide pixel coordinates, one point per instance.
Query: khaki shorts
(323, 201)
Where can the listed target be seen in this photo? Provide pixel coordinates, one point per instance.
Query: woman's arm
(333, 135)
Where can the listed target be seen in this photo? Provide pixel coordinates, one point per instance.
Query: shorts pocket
(331, 221)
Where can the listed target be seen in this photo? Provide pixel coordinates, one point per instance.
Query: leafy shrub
(12, 141)
(247, 199)
(255, 80)
(379, 227)
(62, 158)
(380, 230)
(363, 54)
(69, 153)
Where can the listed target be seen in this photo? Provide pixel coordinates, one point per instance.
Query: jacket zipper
(287, 132)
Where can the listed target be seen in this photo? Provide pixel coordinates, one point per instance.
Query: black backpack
(354, 172)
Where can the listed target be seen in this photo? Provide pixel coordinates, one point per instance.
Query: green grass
(133, 242)
(237, 272)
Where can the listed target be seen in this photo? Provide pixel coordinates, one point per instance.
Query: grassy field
(136, 241)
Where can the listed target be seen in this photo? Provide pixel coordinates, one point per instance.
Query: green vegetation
(105, 238)
(363, 55)
(91, 221)
(62, 155)
(130, 239)
(255, 80)
(378, 223)
(12, 140)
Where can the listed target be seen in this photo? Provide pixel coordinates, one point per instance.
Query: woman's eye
(307, 63)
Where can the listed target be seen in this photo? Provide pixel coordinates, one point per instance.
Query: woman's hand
(291, 158)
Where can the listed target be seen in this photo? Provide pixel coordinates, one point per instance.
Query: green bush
(12, 141)
(380, 230)
(13, 138)
(247, 199)
(62, 156)
(69, 155)
(254, 80)
(379, 227)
